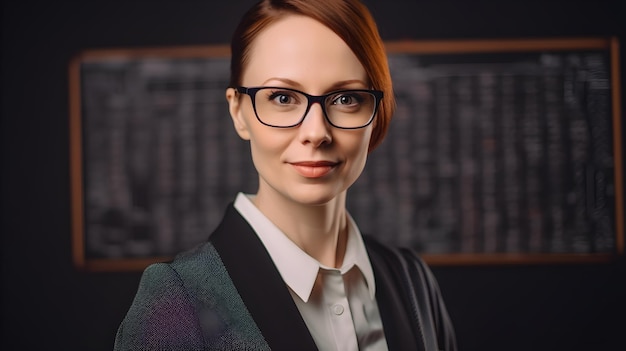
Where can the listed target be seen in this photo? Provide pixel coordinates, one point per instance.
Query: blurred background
(48, 303)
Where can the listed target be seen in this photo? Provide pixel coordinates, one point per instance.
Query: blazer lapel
(260, 285)
(394, 314)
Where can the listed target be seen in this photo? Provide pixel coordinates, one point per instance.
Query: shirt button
(338, 309)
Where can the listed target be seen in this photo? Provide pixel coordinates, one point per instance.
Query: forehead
(302, 50)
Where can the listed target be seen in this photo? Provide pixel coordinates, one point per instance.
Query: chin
(314, 197)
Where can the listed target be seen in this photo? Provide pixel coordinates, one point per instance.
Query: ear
(236, 113)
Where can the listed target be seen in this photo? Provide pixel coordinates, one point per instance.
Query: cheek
(266, 146)
(359, 148)
(259, 140)
(365, 139)
(264, 156)
(259, 145)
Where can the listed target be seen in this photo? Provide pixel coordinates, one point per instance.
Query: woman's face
(313, 162)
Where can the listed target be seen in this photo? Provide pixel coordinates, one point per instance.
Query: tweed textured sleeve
(189, 304)
(162, 316)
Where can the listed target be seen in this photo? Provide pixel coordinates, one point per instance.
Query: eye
(347, 98)
(283, 97)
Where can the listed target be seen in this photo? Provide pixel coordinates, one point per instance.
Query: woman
(287, 269)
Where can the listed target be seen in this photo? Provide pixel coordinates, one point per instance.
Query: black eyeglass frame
(311, 99)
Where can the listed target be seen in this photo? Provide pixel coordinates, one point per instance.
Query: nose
(315, 129)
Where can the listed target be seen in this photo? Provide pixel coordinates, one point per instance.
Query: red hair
(349, 19)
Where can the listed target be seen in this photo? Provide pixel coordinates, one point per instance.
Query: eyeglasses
(284, 107)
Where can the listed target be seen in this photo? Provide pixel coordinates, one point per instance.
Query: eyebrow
(337, 85)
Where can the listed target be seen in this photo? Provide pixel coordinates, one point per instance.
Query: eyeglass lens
(285, 108)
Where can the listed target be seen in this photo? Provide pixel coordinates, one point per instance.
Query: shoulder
(373, 244)
(411, 276)
(166, 275)
(399, 262)
(164, 312)
(157, 278)
(187, 303)
(162, 315)
(387, 252)
(203, 254)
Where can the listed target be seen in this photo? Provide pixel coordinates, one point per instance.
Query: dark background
(48, 304)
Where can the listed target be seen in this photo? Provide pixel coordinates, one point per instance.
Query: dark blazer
(226, 294)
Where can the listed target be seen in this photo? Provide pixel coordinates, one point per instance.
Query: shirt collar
(296, 267)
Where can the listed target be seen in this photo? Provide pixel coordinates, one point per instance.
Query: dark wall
(46, 303)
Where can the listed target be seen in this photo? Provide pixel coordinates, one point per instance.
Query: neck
(319, 230)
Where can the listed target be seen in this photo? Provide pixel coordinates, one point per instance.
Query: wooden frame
(79, 144)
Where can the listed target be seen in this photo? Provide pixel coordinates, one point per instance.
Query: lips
(314, 169)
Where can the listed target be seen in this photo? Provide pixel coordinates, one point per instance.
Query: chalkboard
(500, 152)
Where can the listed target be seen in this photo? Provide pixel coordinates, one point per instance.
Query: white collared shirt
(338, 305)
